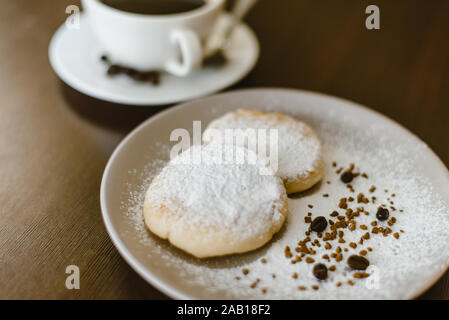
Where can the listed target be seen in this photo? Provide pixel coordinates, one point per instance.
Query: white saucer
(392, 157)
(75, 56)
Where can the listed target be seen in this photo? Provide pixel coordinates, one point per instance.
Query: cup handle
(191, 52)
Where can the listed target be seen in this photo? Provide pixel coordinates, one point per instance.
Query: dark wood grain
(55, 142)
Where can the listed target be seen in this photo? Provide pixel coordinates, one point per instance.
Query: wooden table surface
(55, 142)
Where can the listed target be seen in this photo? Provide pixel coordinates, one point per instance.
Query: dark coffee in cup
(155, 7)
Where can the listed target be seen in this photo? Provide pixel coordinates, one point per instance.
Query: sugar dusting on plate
(396, 264)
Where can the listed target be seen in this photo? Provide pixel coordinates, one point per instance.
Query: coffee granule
(338, 284)
(310, 206)
(343, 203)
(315, 287)
(372, 189)
(396, 235)
(310, 260)
(255, 283)
(245, 271)
(363, 227)
(263, 260)
(287, 252)
(363, 252)
(264, 290)
(350, 282)
(302, 288)
(353, 245)
(360, 275)
(326, 195)
(295, 276)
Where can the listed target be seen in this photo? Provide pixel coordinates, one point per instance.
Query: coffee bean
(130, 71)
(319, 224)
(347, 176)
(140, 76)
(358, 262)
(382, 214)
(320, 271)
(114, 69)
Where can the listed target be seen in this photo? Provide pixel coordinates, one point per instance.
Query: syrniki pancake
(214, 207)
(300, 163)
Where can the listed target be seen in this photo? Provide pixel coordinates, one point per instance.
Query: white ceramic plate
(75, 57)
(393, 158)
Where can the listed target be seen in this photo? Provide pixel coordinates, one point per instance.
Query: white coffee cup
(172, 42)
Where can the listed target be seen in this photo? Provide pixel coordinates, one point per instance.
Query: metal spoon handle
(238, 12)
(222, 32)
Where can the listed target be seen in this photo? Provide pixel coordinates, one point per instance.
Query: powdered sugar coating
(298, 147)
(211, 186)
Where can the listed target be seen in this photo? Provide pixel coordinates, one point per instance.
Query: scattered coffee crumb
(360, 275)
(263, 260)
(315, 287)
(295, 276)
(287, 252)
(310, 260)
(245, 271)
(264, 290)
(255, 283)
(302, 288)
